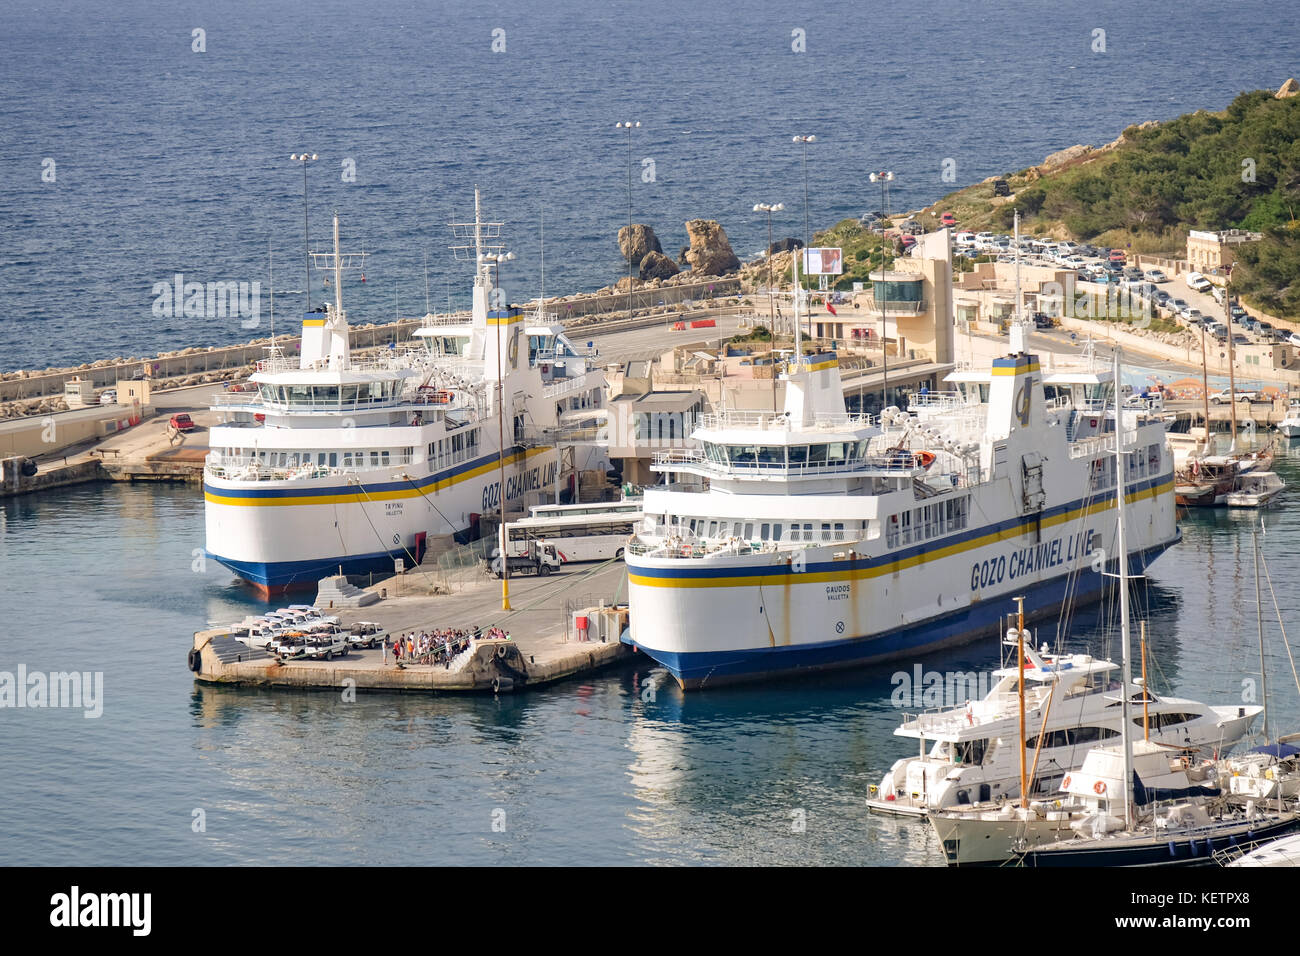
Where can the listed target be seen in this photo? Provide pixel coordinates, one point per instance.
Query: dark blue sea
(165, 160)
(168, 160)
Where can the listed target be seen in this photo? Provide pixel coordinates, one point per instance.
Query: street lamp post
(770, 208)
(807, 232)
(883, 177)
(304, 159)
(496, 259)
(629, 125)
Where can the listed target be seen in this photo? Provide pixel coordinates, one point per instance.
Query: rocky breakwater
(709, 255)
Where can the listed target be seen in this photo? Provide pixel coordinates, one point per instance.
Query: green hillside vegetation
(1162, 180)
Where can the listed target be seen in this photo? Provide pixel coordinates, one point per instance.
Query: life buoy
(502, 652)
(1099, 788)
(194, 660)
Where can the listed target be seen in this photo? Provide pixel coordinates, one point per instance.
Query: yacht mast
(1121, 492)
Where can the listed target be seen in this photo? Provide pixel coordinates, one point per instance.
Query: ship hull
(717, 622)
(285, 536)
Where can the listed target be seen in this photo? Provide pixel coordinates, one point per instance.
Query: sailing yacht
(341, 466)
(1185, 831)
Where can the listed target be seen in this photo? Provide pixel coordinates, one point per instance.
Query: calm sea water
(167, 160)
(101, 578)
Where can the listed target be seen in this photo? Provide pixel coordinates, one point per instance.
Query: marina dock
(543, 646)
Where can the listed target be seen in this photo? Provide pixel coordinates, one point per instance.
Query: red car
(948, 219)
(182, 422)
(1117, 255)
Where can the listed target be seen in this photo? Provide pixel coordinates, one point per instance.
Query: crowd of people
(440, 645)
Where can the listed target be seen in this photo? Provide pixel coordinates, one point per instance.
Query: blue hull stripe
(700, 668)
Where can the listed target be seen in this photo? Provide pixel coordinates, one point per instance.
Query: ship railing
(950, 720)
(567, 386)
(686, 457)
(431, 321)
(1087, 447)
(436, 398)
(778, 421)
(568, 352)
(936, 400)
(392, 360)
(254, 469)
(685, 546)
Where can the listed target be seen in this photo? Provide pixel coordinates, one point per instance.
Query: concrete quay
(542, 649)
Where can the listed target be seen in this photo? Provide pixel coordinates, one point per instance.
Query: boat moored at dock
(811, 539)
(339, 466)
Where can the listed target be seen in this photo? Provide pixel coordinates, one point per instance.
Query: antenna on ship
(336, 262)
(270, 274)
(541, 289)
(479, 240)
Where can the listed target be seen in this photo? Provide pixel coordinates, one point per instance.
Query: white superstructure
(812, 538)
(337, 464)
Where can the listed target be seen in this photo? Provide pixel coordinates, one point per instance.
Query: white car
(108, 397)
(1155, 275)
(366, 634)
(1197, 282)
(1243, 395)
(1294, 339)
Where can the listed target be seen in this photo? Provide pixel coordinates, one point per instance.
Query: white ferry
(813, 539)
(341, 466)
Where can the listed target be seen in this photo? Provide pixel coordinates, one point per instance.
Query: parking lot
(1100, 270)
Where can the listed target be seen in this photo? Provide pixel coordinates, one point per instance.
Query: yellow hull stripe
(312, 323)
(936, 554)
(410, 491)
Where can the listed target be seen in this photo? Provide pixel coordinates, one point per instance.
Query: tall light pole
(770, 208)
(304, 159)
(629, 126)
(807, 232)
(883, 177)
(496, 259)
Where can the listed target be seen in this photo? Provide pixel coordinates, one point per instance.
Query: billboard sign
(824, 261)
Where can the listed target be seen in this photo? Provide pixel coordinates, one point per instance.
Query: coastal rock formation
(1289, 88)
(682, 261)
(710, 252)
(656, 265)
(636, 241)
(784, 245)
(1063, 156)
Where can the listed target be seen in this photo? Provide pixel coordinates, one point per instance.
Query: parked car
(366, 634)
(1156, 275)
(1197, 282)
(1042, 320)
(1117, 255)
(182, 422)
(108, 397)
(948, 219)
(1243, 395)
(1001, 187)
